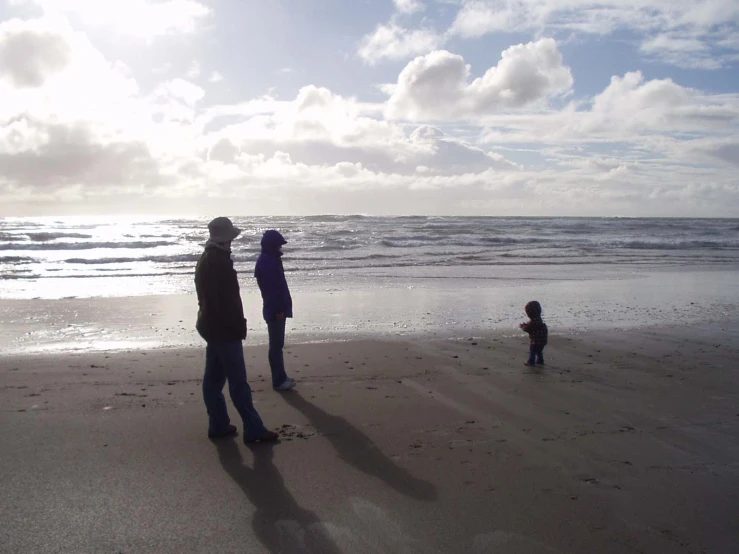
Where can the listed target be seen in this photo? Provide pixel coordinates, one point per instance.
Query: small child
(538, 333)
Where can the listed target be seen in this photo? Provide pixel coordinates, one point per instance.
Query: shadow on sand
(279, 522)
(355, 448)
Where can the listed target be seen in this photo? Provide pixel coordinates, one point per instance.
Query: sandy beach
(628, 441)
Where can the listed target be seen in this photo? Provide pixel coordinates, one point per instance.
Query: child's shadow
(279, 522)
(358, 450)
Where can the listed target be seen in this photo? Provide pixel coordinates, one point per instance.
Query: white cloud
(695, 35)
(185, 91)
(727, 151)
(708, 25)
(436, 86)
(193, 72)
(29, 54)
(215, 77)
(59, 155)
(393, 42)
(681, 51)
(672, 148)
(320, 127)
(76, 125)
(140, 18)
(78, 121)
(62, 75)
(479, 18)
(630, 103)
(409, 6)
(86, 129)
(653, 115)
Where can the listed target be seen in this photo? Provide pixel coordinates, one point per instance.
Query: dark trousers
(224, 361)
(276, 330)
(536, 354)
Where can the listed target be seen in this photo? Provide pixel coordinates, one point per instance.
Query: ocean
(83, 257)
(84, 283)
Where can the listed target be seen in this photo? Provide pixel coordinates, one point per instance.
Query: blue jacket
(271, 277)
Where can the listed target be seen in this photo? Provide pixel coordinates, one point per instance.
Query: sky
(381, 107)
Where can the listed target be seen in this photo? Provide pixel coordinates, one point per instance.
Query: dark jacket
(271, 277)
(537, 330)
(220, 313)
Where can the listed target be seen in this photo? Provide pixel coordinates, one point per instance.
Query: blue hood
(272, 240)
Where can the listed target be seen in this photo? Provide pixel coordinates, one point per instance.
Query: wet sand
(429, 302)
(627, 441)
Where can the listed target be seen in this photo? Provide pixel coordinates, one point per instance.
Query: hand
(280, 316)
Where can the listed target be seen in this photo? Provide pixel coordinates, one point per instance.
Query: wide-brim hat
(221, 229)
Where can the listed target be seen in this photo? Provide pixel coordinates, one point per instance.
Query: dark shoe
(540, 362)
(269, 436)
(228, 432)
(528, 364)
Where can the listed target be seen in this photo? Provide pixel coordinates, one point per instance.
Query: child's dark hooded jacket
(536, 328)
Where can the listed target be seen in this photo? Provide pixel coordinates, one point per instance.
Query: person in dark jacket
(537, 331)
(277, 304)
(222, 324)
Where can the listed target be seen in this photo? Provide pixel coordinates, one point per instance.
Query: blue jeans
(536, 354)
(276, 330)
(225, 361)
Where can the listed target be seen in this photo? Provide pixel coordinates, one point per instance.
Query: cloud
(681, 51)
(710, 149)
(436, 86)
(193, 72)
(60, 76)
(707, 25)
(44, 155)
(72, 119)
(667, 146)
(630, 103)
(447, 155)
(320, 128)
(145, 19)
(478, 18)
(30, 53)
(409, 6)
(88, 130)
(688, 34)
(728, 152)
(316, 115)
(180, 90)
(76, 129)
(279, 174)
(630, 110)
(393, 42)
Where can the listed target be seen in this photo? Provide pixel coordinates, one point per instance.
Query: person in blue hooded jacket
(277, 304)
